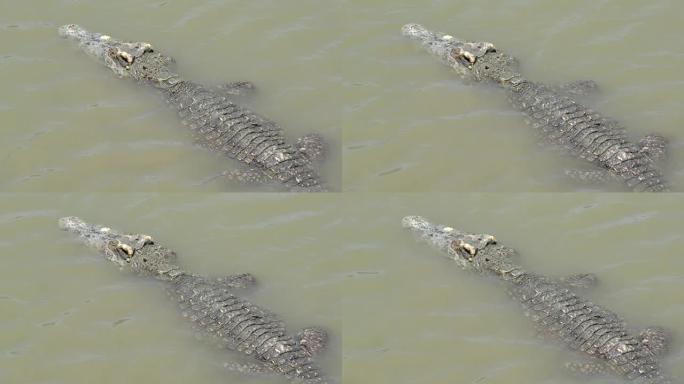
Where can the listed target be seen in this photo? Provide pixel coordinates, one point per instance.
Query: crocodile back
(239, 325)
(583, 326)
(563, 121)
(223, 126)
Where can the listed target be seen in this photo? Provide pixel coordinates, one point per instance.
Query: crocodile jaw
(462, 247)
(458, 54)
(94, 236)
(115, 54)
(104, 239)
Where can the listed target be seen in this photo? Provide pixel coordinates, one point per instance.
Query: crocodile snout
(417, 223)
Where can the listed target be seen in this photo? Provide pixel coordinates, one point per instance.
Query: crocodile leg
(236, 88)
(654, 146)
(657, 339)
(314, 339)
(580, 280)
(312, 146)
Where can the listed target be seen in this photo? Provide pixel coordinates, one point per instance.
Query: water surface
(398, 311)
(412, 316)
(410, 124)
(68, 124)
(69, 316)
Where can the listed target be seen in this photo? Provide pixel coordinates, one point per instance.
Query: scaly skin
(218, 122)
(558, 118)
(210, 304)
(555, 309)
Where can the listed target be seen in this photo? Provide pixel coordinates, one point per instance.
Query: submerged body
(219, 124)
(554, 307)
(557, 116)
(211, 305)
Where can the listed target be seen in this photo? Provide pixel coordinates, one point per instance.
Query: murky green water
(412, 316)
(397, 121)
(69, 124)
(334, 67)
(397, 311)
(69, 316)
(411, 125)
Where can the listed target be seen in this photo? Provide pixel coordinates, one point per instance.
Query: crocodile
(212, 306)
(217, 122)
(554, 112)
(555, 308)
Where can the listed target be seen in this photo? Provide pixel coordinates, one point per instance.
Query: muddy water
(69, 316)
(69, 124)
(412, 316)
(397, 311)
(411, 125)
(396, 121)
(400, 120)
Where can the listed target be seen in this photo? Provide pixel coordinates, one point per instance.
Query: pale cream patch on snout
(126, 56)
(469, 248)
(469, 56)
(489, 239)
(459, 244)
(126, 248)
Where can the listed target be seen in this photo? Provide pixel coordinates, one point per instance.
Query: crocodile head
(136, 60)
(133, 252)
(473, 61)
(477, 252)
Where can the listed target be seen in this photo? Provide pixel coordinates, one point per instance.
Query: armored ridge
(211, 305)
(218, 123)
(554, 307)
(558, 118)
